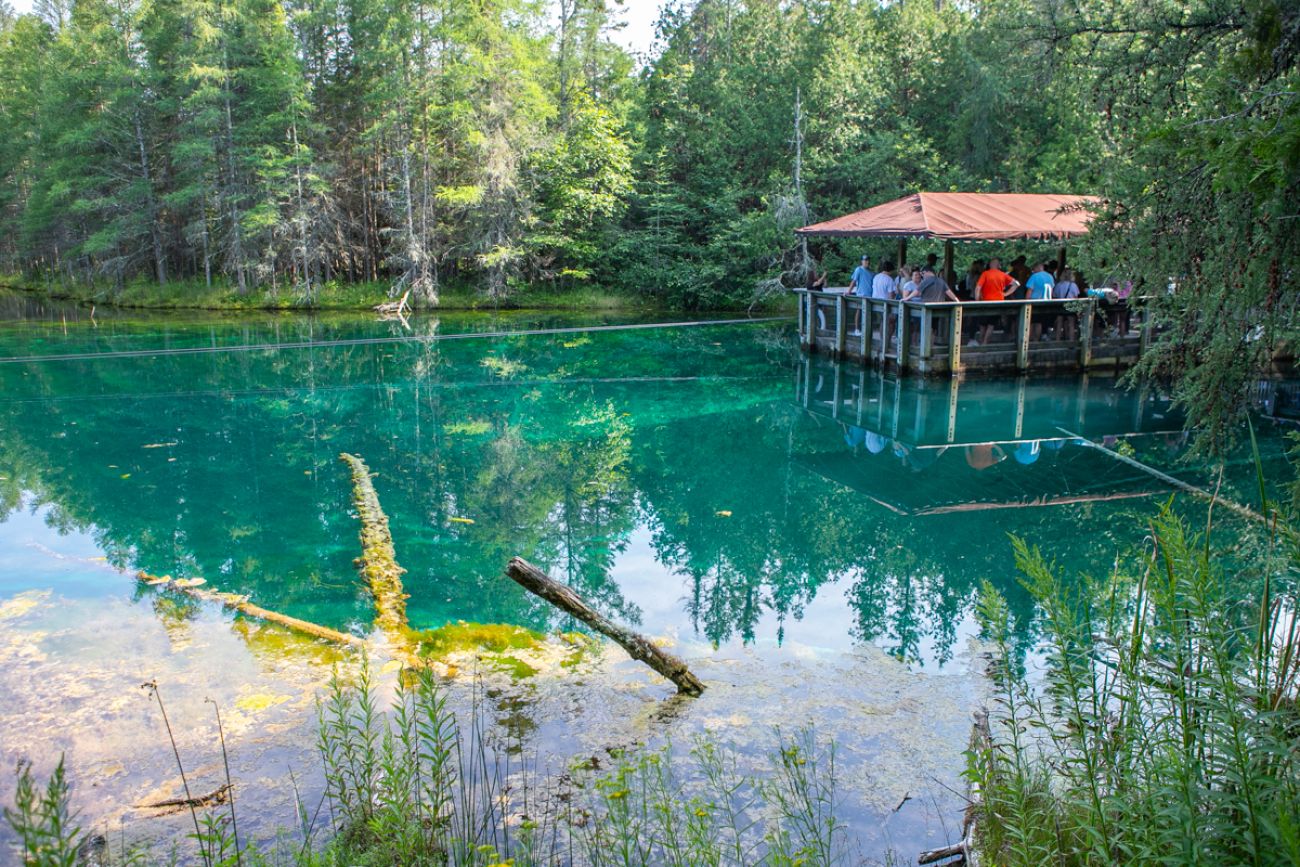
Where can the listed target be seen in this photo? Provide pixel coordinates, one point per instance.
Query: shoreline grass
(344, 296)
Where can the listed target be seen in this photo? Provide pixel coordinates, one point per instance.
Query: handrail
(940, 305)
(931, 336)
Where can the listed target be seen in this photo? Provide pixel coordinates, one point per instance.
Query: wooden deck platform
(944, 338)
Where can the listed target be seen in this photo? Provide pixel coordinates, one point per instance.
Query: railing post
(864, 323)
(835, 389)
(1085, 335)
(862, 392)
(954, 341)
(840, 327)
(1022, 339)
(927, 334)
(1144, 338)
(904, 336)
(884, 331)
(802, 340)
(1020, 408)
(954, 387)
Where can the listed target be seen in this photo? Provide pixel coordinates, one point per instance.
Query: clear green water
(702, 481)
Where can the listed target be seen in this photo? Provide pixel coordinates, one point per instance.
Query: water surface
(773, 515)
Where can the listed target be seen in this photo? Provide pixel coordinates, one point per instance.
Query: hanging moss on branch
(378, 560)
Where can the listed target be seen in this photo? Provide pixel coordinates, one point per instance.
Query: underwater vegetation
(411, 785)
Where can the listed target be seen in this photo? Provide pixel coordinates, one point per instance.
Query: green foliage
(1162, 730)
(42, 820)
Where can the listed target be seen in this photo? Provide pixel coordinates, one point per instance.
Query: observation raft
(972, 336)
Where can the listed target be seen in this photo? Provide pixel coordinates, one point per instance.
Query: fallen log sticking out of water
(639, 647)
(241, 604)
(394, 307)
(378, 560)
(964, 850)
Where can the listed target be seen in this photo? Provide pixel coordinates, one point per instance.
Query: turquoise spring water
(701, 480)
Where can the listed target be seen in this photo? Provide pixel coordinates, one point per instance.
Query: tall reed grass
(1164, 726)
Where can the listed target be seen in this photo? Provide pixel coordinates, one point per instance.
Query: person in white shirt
(882, 288)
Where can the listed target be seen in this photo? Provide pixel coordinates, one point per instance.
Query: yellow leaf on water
(99, 559)
(723, 514)
(259, 702)
(391, 665)
(126, 475)
(154, 582)
(159, 445)
(462, 520)
(191, 582)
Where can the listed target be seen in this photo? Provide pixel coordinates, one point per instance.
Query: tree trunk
(159, 260)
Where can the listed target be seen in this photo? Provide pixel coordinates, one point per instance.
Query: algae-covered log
(536, 581)
(378, 560)
(241, 604)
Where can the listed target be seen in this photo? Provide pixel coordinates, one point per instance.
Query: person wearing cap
(860, 282)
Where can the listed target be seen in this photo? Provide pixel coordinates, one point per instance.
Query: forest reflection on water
(704, 482)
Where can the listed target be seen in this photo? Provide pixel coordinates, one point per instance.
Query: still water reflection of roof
(931, 447)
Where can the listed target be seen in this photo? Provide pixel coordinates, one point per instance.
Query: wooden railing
(951, 337)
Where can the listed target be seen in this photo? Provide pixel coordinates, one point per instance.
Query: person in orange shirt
(994, 285)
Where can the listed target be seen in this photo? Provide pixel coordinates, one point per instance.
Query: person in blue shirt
(860, 282)
(1039, 283)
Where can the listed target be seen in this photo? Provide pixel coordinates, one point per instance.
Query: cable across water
(369, 341)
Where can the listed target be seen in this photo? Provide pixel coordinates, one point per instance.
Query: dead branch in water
(378, 560)
(175, 805)
(536, 581)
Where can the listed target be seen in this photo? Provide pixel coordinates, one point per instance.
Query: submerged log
(378, 560)
(241, 604)
(1213, 497)
(175, 805)
(639, 647)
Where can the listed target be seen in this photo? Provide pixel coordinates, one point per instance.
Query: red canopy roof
(966, 217)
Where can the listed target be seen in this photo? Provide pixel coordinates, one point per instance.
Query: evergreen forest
(504, 145)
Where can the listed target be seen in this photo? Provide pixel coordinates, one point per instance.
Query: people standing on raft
(994, 285)
(860, 282)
